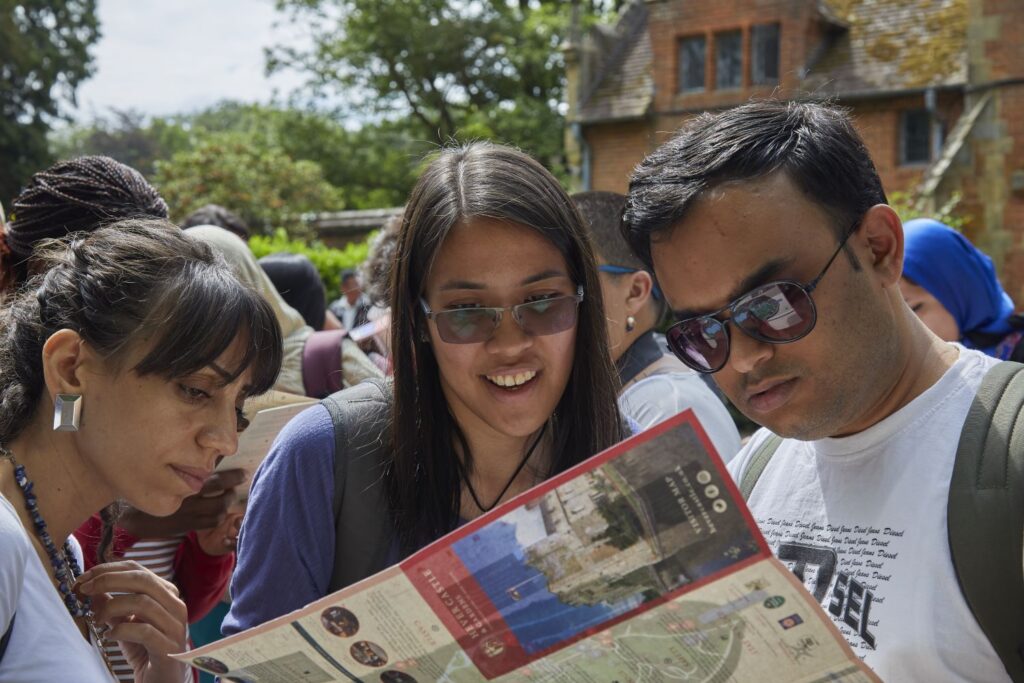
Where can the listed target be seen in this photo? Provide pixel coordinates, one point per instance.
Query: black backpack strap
(362, 522)
(758, 461)
(986, 512)
(6, 638)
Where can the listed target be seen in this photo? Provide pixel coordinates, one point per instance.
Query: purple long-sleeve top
(286, 545)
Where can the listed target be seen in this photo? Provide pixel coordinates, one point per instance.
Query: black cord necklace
(522, 464)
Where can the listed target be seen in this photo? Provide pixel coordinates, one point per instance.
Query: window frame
(757, 35)
(730, 34)
(681, 63)
(906, 117)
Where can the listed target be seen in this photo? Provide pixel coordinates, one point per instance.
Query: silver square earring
(67, 411)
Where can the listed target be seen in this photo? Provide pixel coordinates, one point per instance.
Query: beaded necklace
(65, 566)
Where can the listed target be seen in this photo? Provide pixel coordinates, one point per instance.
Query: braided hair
(73, 196)
(132, 281)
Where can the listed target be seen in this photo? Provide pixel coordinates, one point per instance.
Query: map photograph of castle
(639, 528)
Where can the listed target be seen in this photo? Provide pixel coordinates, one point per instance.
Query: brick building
(936, 88)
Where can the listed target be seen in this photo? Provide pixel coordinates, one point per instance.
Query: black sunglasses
(775, 313)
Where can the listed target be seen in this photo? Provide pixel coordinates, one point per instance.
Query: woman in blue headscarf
(953, 288)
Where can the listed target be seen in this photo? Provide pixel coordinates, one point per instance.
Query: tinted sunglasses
(535, 318)
(775, 313)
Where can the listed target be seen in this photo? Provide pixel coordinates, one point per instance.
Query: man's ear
(640, 285)
(65, 359)
(881, 232)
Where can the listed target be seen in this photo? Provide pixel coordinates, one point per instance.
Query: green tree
(259, 182)
(44, 56)
(455, 69)
(373, 166)
(127, 136)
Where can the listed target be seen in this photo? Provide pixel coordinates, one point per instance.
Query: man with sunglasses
(655, 384)
(770, 235)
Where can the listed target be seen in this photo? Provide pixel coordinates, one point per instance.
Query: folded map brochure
(370, 329)
(640, 564)
(267, 415)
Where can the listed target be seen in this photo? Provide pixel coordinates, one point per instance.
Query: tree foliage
(373, 166)
(125, 135)
(44, 56)
(370, 167)
(259, 182)
(456, 69)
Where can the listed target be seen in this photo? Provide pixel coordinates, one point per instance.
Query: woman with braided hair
(72, 196)
(192, 548)
(126, 363)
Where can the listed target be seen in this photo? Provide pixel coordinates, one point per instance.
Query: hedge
(329, 262)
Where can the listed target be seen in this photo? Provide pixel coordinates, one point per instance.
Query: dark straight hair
(814, 144)
(483, 180)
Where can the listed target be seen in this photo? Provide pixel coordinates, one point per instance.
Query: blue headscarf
(959, 275)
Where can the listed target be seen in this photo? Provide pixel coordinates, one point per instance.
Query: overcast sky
(165, 57)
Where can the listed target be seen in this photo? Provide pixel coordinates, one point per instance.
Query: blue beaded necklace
(65, 566)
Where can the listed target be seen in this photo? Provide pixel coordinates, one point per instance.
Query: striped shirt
(156, 555)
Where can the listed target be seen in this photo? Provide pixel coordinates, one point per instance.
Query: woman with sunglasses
(502, 378)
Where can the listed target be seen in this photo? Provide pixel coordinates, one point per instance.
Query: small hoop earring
(67, 412)
(630, 324)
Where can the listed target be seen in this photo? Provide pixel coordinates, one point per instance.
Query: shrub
(329, 262)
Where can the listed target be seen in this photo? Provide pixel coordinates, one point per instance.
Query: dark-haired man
(770, 235)
(655, 384)
(352, 308)
(215, 214)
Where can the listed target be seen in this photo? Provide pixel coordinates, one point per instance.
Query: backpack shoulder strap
(362, 522)
(6, 637)
(321, 363)
(986, 512)
(758, 462)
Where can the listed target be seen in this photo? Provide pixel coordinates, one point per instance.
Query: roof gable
(859, 47)
(890, 45)
(623, 88)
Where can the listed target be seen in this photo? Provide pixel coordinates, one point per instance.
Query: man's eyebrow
(766, 273)
(467, 284)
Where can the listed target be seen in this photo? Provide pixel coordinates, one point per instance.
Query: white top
(862, 520)
(661, 396)
(45, 644)
(346, 312)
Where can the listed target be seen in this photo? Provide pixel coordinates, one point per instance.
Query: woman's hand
(223, 538)
(205, 510)
(145, 616)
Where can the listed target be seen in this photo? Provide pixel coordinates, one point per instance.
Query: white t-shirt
(661, 396)
(862, 519)
(45, 643)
